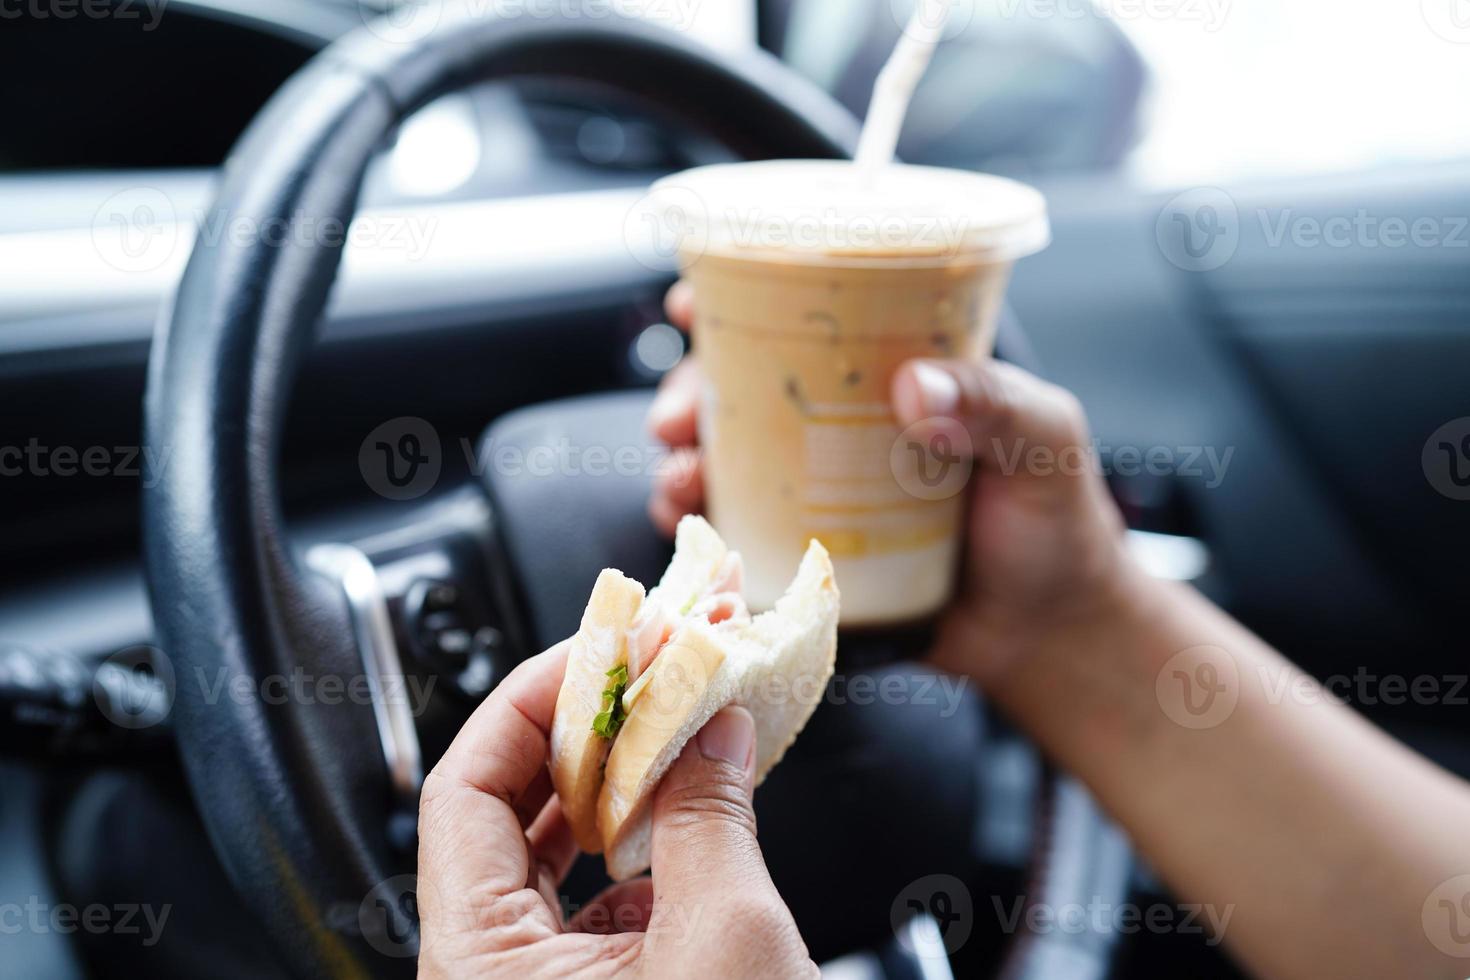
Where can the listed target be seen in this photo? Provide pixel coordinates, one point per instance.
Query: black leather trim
(778, 113)
(560, 528)
(294, 795)
(283, 788)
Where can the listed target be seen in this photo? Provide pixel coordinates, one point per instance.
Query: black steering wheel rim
(300, 824)
(233, 601)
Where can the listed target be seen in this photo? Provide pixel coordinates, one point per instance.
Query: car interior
(225, 461)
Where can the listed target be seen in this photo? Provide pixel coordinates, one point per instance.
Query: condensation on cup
(810, 290)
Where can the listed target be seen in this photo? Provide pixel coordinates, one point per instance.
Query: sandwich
(646, 671)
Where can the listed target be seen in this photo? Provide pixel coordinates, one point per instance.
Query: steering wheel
(297, 801)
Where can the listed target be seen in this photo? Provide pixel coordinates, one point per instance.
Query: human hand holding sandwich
(1304, 821)
(641, 737)
(495, 845)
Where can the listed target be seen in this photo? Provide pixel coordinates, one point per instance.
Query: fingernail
(660, 410)
(679, 302)
(939, 392)
(728, 737)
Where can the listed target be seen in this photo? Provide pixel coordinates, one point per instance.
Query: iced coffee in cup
(812, 286)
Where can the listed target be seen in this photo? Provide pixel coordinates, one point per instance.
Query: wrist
(1073, 655)
(991, 638)
(1088, 689)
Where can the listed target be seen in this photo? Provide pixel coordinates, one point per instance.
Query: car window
(1014, 88)
(1168, 91)
(1249, 87)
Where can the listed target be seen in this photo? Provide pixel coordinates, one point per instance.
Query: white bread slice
(699, 557)
(699, 552)
(777, 666)
(577, 752)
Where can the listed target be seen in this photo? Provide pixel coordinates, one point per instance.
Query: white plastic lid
(819, 207)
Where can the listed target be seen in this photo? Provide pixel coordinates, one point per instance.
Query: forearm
(1249, 788)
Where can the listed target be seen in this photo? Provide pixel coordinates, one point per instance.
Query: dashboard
(510, 253)
(506, 278)
(183, 84)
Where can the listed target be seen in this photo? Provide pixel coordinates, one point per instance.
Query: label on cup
(802, 318)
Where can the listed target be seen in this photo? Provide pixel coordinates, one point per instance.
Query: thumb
(704, 843)
(715, 910)
(1006, 412)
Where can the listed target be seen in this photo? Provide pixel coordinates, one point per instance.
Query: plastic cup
(810, 292)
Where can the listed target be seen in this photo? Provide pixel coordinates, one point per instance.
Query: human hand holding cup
(806, 292)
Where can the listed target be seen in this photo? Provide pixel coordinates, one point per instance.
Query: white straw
(895, 86)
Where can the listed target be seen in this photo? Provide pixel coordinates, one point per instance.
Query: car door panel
(1319, 379)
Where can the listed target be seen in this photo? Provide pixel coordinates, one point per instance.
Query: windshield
(1333, 86)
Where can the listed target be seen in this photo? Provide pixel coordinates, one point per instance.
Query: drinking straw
(894, 87)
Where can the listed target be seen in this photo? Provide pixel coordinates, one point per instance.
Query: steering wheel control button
(22, 672)
(401, 459)
(449, 635)
(441, 595)
(454, 643)
(377, 645)
(69, 679)
(56, 704)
